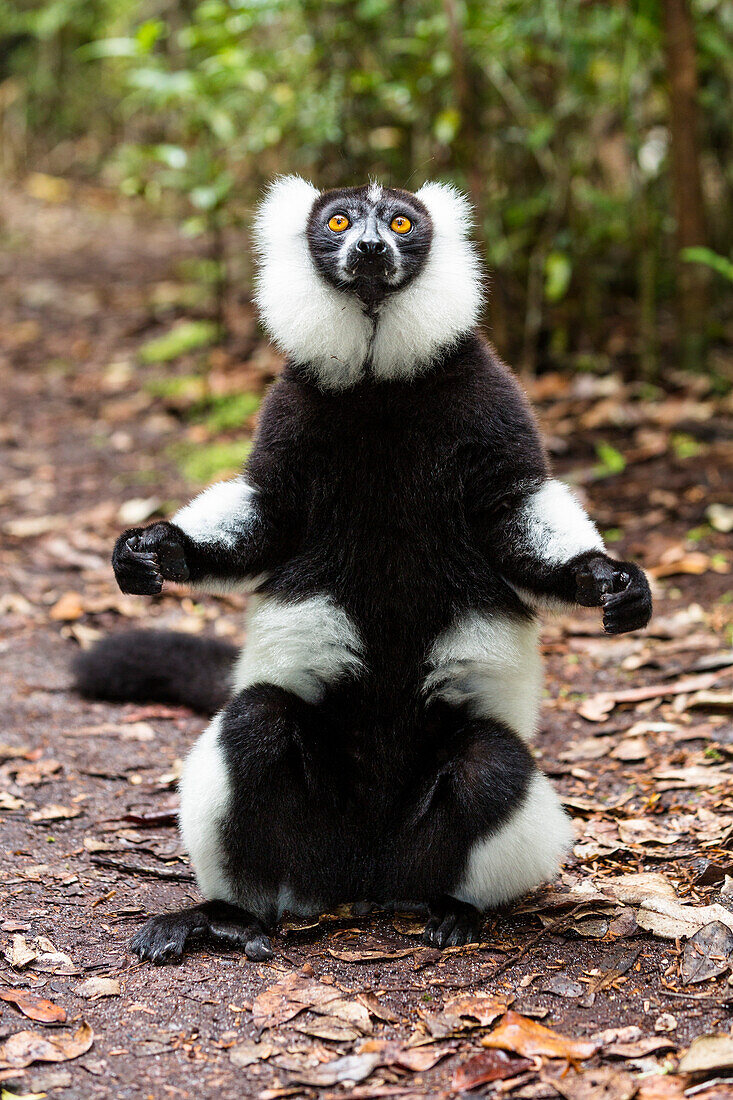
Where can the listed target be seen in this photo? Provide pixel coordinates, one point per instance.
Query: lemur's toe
(452, 923)
(259, 948)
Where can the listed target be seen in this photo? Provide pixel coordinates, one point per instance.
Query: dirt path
(87, 792)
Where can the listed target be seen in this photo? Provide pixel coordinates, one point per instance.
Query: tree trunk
(692, 281)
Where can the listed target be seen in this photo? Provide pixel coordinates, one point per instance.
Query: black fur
(162, 666)
(401, 502)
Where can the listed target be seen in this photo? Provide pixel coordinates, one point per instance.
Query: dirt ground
(595, 987)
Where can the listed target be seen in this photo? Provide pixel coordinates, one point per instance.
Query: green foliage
(185, 337)
(719, 264)
(205, 462)
(553, 115)
(610, 461)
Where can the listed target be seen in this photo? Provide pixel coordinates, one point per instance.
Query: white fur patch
(327, 329)
(522, 854)
(493, 664)
(374, 193)
(205, 793)
(219, 514)
(301, 646)
(555, 525)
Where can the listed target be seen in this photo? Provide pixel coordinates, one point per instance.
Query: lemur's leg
(485, 827)
(164, 938)
(248, 803)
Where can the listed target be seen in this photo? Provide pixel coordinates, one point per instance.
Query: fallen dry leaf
(479, 1006)
(707, 954)
(597, 707)
(20, 954)
(601, 1083)
(68, 608)
(26, 1047)
(94, 988)
(297, 992)
(369, 955)
(54, 812)
(671, 919)
(248, 1052)
(35, 1008)
(352, 1067)
(635, 889)
(524, 1036)
(491, 1065)
(708, 1053)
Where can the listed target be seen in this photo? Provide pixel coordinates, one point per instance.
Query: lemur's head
(369, 240)
(366, 278)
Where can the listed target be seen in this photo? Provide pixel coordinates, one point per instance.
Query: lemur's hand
(620, 588)
(144, 557)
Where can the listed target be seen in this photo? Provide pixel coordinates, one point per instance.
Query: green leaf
(558, 272)
(706, 256)
(188, 336)
(611, 461)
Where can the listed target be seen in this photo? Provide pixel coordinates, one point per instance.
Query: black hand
(629, 606)
(594, 579)
(144, 557)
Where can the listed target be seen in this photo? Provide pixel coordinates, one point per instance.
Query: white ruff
(301, 646)
(327, 330)
(219, 514)
(493, 664)
(521, 855)
(204, 790)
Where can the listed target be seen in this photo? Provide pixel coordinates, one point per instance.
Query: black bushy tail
(157, 666)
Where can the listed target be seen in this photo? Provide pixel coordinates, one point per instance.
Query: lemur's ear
(283, 213)
(450, 210)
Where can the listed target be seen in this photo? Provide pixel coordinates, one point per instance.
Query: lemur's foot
(164, 938)
(452, 923)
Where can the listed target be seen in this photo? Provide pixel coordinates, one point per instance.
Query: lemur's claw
(452, 923)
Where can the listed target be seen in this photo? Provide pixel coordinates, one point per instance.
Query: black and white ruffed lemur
(400, 531)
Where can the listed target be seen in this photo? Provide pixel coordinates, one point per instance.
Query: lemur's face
(369, 240)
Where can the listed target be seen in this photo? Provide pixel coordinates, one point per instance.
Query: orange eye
(401, 224)
(338, 223)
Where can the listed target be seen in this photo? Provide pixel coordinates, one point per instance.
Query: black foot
(164, 938)
(452, 923)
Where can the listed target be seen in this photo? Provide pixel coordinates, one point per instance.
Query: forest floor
(599, 986)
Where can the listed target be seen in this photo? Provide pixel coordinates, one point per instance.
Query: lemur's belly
(489, 661)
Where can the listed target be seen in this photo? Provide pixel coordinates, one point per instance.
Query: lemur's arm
(551, 553)
(226, 537)
(235, 531)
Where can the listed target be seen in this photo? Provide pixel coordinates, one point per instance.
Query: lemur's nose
(371, 246)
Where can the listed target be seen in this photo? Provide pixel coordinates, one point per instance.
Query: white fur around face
(307, 318)
(493, 664)
(219, 514)
(327, 330)
(524, 853)
(205, 793)
(301, 646)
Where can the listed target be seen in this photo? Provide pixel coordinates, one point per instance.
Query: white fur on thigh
(302, 646)
(493, 664)
(205, 793)
(525, 852)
